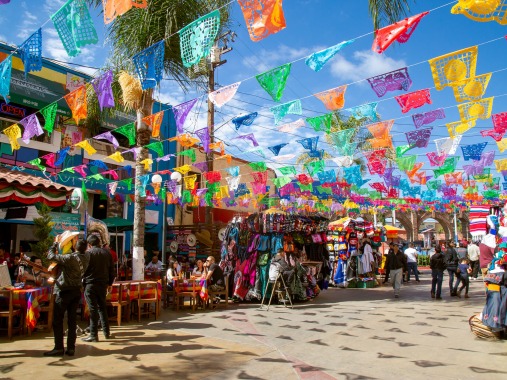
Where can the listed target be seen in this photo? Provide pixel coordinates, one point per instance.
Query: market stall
(250, 243)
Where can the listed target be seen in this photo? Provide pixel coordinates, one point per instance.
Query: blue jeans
(465, 282)
(437, 276)
(412, 267)
(452, 273)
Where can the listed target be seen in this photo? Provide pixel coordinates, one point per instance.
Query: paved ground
(343, 334)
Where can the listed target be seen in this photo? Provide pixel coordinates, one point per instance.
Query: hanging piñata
(149, 65)
(400, 31)
(413, 100)
(333, 99)
(273, 81)
(317, 60)
(75, 26)
(197, 38)
(263, 17)
(453, 67)
(482, 10)
(392, 81)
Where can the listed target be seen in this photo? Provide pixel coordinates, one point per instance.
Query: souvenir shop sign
(65, 222)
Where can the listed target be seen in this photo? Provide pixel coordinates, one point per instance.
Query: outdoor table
(201, 285)
(133, 289)
(29, 301)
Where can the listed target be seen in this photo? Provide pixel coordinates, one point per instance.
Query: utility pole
(215, 60)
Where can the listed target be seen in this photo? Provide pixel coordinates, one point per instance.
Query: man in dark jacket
(67, 292)
(437, 265)
(397, 264)
(97, 278)
(451, 261)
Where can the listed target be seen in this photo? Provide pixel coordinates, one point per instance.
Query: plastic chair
(10, 312)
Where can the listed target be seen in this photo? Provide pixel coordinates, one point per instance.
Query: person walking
(397, 264)
(451, 261)
(437, 265)
(411, 254)
(67, 292)
(462, 275)
(386, 266)
(98, 276)
(473, 252)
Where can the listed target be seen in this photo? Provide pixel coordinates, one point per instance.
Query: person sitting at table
(34, 276)
(155, 265)
(68, 294)
(14, 270)
(172, 274)
(214, 275)
(198, 269)
(174, 258)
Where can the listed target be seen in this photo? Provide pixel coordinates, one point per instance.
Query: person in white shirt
(172, 274)
(155, 265)
(473, 252)
(411, 254)
(198, 269)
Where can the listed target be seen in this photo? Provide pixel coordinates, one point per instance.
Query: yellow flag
(471, 89)
(459, 127)
(482, 10)
(183, 169)
(501, 164)
(476, 110)
(116, 156)
(146, 162)
(453, 67)
(502, 145)
(13, 133)
(87, 147)
(190, 181)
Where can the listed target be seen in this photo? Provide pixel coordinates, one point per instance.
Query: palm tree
(384, 12)
(133, 32)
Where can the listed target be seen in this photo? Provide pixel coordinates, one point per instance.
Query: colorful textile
(328, 176)
(314, 167)
(453, 67)
(472, 88)
(273, 81)
(478, 220)
(32, 128)
(413, 100)
(74, 26)
(5, 77)
(406, 163)
(154, 121)
(419, 138)
(368, 111)
(103, 89)
(502, 145)
(453, 178)
(262, 17)
(184, 169)
(476, 110)
(448, 145)
(482, 10)
(181, 112)
(250, 137)
(244, 120)
(281, 181)
(292, 108)
(190, 181)
(309, 143)
(317, 60)
(116, 156)
(500, 121)
(276, 148)
(449, 166)
(289, 127)
(287, 170)
(259, 166)
(223, 95)
(402, 149)
(115, 8)
(233, 182)
(473, 151)
(436, 159)
(459, 127)
(49, 113)
(197, 38)
(429, 117)
(204, 136)
(321, 123)
(149, 65)
(497, 136)
(108, 136)
(13, 133)
(305, 179)
(333, 99)
(392, 81)
(129, 131)
(62, 154)
(399, 31)
(76, 101)
(158, 148)
(31, 52)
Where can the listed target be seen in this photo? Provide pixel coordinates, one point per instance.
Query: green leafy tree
(42, 231)
(385, 12)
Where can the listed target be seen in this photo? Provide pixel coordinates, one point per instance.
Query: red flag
(400, 31)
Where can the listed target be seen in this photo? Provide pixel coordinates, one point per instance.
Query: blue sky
(311, 26)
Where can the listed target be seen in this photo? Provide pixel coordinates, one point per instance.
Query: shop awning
(21, 188)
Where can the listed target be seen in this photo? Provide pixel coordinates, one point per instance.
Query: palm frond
(385, 12)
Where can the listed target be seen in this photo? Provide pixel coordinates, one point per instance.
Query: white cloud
(29, 25)
(365, 64)
(265, 60)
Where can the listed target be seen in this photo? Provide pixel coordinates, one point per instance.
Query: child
(462, 276)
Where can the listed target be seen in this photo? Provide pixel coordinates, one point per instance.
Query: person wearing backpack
(397, 264)
(451, 261)
(437, 265)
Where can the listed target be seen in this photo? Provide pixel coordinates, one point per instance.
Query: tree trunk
(143, 138)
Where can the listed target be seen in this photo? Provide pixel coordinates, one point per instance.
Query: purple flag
(134, 151)
(203, 134)
(167, 157)
(487, 158)
(250, 137)
(419, 138)
(181, 112)
(421, 119)
(103, 89)
(392, 81)
(32, 128)
(202, 166)
(109, 137)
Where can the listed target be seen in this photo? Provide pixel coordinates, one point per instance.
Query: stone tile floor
(342, 334)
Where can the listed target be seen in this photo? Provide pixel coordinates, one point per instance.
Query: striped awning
(16, 186)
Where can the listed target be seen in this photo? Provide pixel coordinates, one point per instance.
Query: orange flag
(185, 140)
(262, 17)
(77, 103)
(154, 121)
(114, 8)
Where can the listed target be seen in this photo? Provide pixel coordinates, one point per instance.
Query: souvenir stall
(353, 252)
(250, 243)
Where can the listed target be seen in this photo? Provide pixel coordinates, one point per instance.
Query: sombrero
(65, 237)
(204, 237)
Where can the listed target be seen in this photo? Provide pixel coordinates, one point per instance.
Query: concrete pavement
(342, 334)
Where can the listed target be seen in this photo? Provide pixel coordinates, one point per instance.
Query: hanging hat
(221, 234)
(65, 237)
(204, 237)
(191, 240)
(173, 247)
